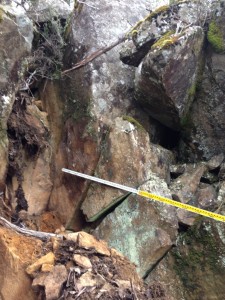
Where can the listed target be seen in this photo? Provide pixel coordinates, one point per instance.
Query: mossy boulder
(199, 260)
(159, 27)
(215, 37)
(204, 136)
(194, 268)
(166, 80)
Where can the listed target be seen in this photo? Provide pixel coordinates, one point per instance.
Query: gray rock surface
(165, 18)
(206, 196)
(204, 134)
(205, 121)
(185, 186)
(136, 229)
(43, 11)
(93, 96)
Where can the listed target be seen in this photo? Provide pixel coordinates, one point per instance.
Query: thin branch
(94, 55)
(82, 2)
(37, 234)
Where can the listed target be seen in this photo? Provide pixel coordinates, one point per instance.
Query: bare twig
(94, 55)
(82, 2)
(37, 234)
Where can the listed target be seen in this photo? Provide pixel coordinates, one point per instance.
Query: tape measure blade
(188, 207)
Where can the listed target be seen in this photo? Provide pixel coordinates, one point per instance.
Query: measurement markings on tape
(148, 195)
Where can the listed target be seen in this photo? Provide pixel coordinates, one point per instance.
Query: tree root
(37, 234)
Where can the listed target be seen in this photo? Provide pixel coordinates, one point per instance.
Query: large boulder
(141, 229)
(198, 261)
(166, 18)
(204, 124)
(92, 96)
(166, 78)
(204, 134)
(126, 158)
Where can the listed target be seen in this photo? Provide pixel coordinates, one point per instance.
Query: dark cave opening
(165, 136)
(170, 139)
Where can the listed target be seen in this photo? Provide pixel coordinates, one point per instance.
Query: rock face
(205, 123)
(168, 278)
(43, 11)
(102, 119)
(93, 96)
(206, 237)
(135, 229)
(16, 35)
(166, 78)
(31, 178)
(126, 158)
(165, 93)
(158, 23)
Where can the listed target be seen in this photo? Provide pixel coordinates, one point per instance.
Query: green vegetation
(133, 121)
(166, 40)
(198, 250)
(156, 12)
(186, 121)
(192, 90)
(78, 6)
(1, 15)
(134, 33)
(153, 14)
(215, 37)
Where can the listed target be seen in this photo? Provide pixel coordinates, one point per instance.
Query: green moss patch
(198, 252)
(149, 17)
(215, 37)
(192, 90)
(133, 121)
(1, 15)
(166, 40)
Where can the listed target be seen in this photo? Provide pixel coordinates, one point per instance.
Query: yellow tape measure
(145, 194)
(188, 207)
